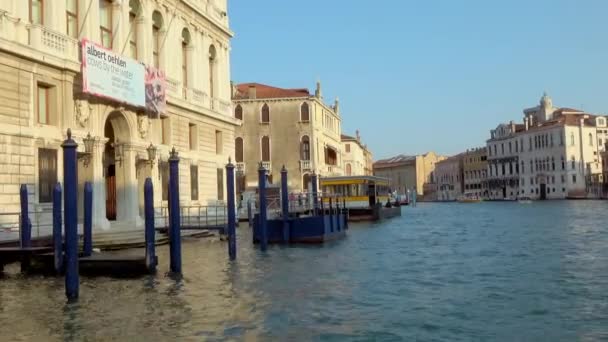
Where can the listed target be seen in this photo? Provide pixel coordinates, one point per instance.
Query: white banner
(108, 74)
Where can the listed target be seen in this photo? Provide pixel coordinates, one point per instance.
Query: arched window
(573, 161)
(305, 148)
(105, 23)
(211, 63)
(37, 12)
(238, 150)
(71, 16)
(265, 113)
(265, 148)
(134, 11)
(349, 170)
(563, 163)
(590, 139)
(304, 112)
(552, 163)
(185, 61)
(157, 25)
(571, 139)
(238, 112)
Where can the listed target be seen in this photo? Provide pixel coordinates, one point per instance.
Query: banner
(156, 88)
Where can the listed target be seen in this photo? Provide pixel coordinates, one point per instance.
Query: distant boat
(524, 200)
(469, 199)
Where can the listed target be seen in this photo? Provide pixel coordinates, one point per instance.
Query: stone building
(503, 162)
(41, 70)
(475, 168)
(410, 173)
(288, 127)
(555, 153)
(449, 178)
(357, 157)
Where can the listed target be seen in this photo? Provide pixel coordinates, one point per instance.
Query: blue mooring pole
(70, 200)
(315, 192)
(57, 238)
(231, 210)
(175, 247)
(87, 246)
(150, 233)
(25, 231)
(262, 209)
(285, 204)
(249, 213)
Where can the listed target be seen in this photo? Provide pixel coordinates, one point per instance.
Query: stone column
(99, 186)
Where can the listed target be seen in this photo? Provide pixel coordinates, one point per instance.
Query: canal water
(442, 272)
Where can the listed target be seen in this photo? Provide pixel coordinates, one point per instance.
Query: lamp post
(88, 142)
(151, 154)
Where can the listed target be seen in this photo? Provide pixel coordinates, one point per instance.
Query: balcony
(240, 167)
(54, 43)
(267, 165)
(305, 165)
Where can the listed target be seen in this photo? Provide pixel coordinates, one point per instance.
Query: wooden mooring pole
(70, 181)
(285, 204)
(263, 208)
(231, 210)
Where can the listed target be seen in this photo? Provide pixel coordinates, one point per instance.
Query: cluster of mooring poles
(66, 256)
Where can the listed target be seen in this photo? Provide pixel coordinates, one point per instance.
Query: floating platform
(311, 229)
(10, 255)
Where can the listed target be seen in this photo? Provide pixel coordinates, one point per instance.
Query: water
(442, 272)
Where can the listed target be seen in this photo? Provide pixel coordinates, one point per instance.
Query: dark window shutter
(47, 174)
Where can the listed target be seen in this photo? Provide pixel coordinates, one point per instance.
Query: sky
(427, 75)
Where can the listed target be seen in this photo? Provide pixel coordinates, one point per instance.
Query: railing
(240, 166)
(267, 165)
(195, 217)
(54, 43)
(41, 220)
(199, 97)
(305, 165)
(173, 87)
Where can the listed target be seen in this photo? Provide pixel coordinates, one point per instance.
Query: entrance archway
(122, 202)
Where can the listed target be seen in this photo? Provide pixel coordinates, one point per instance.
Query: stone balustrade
(305, 165)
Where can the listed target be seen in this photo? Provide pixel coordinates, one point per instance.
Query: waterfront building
(186, 45)
(357, 157)
(554, 154)
(449, 178)
(288, 127)
(410, 173)
(475, 168)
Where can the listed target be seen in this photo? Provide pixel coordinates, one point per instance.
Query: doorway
(371, 191)
(109, 165)
(504, 192)
(543, 191)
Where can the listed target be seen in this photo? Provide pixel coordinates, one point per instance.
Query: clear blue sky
(427, 75)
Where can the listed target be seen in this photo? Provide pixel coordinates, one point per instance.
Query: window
(523, 181)
(165, 132)
(574, 179)
(348, 170)
(194, 182)
(530, 144)
(347, 146)
(516, 146)
(185, 47)
(305, 148)
(523, 170)
(218, 142)
(134, 10)
(510, 168)
(265, 148)
(105, 23)
(163, 168)
(573, 161)
(220, 184)
(552, 163)
(192, 136)
(510, 147)
(502, 148)
(157, 24)
(37, 12)
(71, 15)
(563, 179)
(590, 139)
(571, 139)
(551, 137)
(47, 174)
(212, 62)
(495, 150)
(304, 112)
(503, 169)
(238, 112)
(43, 105)
(265, 113)
(238, 149)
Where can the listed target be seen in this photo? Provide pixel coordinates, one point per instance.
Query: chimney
(526, 123)
(358, 135)
(512, 126)
(253, 93)
(337, 106)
